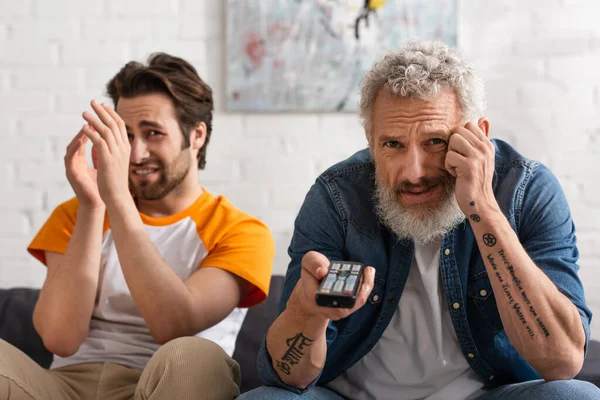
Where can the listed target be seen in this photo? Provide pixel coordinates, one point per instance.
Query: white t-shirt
(418, 356)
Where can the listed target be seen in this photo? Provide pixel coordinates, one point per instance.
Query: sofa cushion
(255, 326)
(591, 367)
(16, 323)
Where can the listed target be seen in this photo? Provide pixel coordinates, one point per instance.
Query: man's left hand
(111, 145)
(470, 158)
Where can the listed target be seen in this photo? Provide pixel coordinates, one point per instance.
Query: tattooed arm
(296, 340)
(543, 324)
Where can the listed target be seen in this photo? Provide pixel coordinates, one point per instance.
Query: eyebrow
(146, 123)
(437, 132)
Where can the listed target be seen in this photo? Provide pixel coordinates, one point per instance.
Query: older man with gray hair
(472, 290)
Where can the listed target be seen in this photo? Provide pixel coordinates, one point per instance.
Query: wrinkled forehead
(156, 108)
(392, 112)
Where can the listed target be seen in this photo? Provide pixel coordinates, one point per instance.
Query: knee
(192, 353)
(575, 389)
(269, 393)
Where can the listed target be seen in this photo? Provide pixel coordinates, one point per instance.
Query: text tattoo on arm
(515, 305)
(294, 353)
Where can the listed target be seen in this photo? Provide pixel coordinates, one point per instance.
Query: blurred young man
(473, 293)
(146, 269)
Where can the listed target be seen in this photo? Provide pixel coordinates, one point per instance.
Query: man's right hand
(81, 177)
(314, 269)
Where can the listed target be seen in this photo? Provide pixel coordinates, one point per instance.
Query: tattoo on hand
(294, 353)
(489, 239)
(475, 218)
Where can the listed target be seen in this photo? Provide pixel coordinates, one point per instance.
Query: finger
(315, 264)
(366, 288)
(461, 145)
(94, 157)
(100, 130)
(119, 121)
(75, 144)
(476, 130)
(468, 135)
(453, 161)
(97, 140)
(107, 120)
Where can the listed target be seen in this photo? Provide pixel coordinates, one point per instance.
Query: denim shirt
(338, 219)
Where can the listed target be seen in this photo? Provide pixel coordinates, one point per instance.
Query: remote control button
(356, 269)
(350, 283)
(335, 267)
(346, 267)
(339, 285)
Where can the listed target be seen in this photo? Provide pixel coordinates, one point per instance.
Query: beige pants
(185, 368)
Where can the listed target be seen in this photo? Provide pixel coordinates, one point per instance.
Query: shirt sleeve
(318, 227)
(56, 232)
(547, 233)
(246, 249)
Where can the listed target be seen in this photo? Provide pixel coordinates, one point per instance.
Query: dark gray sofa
(16, 327)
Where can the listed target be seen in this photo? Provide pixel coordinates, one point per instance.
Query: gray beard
(429, 224)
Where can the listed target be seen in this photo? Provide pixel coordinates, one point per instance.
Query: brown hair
(178, 79)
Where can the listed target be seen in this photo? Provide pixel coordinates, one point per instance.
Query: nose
(414, 169)
(139, 151)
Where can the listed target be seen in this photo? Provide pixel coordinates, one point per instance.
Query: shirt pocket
(479, 291)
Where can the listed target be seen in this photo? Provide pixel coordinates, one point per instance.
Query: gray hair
(421, 69)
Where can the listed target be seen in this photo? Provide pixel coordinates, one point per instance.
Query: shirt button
(483, 292)
(471, 355)
(447, 252)
(456, 305)
(375, 298)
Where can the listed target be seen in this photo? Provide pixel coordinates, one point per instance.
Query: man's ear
(484, 125)
(198, 136)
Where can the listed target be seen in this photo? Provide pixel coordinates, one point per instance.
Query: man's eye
(130, 137)
(153, 133)
(437, 141)
(392, 144)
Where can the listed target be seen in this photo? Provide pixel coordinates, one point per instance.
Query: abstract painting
(310, 55)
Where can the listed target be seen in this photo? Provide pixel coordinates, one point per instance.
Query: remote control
(340, 287)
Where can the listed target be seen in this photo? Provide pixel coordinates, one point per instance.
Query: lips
(144, 172)
(418, 191)
(420, 195)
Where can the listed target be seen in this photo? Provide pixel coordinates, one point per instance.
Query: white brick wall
(538, 58)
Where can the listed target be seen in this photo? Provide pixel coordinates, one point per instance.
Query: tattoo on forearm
(519, 285)
(495, 267)
(475, 218)
(294, 353)
(489, 239)
(511, 270)
(515, 305)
